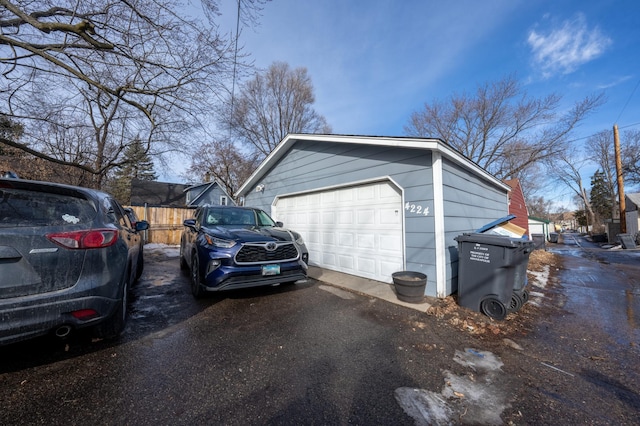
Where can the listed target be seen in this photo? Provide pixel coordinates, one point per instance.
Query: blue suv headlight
(298, 238)
(219, 242)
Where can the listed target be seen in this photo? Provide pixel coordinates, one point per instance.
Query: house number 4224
(417, 209)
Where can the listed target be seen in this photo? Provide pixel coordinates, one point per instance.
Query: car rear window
(19, 207)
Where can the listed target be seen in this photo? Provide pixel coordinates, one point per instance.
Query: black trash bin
(490, 268)
(539, 241)
(521, 262)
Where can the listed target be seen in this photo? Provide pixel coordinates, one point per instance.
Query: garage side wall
(310, 166)
(469, 203)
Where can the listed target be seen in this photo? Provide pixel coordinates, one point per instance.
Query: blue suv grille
(258, 253)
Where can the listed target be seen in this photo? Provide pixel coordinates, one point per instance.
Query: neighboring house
(517, 205)
(632, 201)
(564, 220)
(157, 194)
(538, 226)
(207, 193)
(371, 206)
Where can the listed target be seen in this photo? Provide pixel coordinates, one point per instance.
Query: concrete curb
(365, 286)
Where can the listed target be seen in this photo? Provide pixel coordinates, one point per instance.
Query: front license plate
(271, 270)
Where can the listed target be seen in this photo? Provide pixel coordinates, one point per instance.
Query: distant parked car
(229, 248)
(67, 258)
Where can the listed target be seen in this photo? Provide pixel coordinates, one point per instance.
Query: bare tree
(273, 104)
(539, 207)
(501, 127)
(85, 78)
(566, 167)
(226, 163)
(630, 148)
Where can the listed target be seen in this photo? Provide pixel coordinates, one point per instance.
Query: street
(315, 354)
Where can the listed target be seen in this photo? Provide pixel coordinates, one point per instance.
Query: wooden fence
(165, 223)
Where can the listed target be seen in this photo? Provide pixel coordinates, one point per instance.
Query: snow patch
(541, 278)
(168, 250)
(477, 397)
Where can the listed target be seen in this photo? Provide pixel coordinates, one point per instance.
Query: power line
(628, 100)
(235, 63)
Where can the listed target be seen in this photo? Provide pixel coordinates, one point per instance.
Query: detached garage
(371, 206)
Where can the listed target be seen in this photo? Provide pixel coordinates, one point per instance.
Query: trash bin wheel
(525, 296)
(493, 308)
(517, 301)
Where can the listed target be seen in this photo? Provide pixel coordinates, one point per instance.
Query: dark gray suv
(67, 258)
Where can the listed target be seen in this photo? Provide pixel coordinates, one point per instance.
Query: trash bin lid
(495, 223)
(491, 239)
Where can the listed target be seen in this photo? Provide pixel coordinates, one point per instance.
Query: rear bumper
(21, 320)
(236, 277)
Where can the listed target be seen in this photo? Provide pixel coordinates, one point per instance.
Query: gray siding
(211, 196)
(469, 203)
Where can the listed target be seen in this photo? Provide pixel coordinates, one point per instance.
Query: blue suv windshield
(231, 216)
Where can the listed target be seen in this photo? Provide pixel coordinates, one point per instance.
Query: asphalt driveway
(316, 353)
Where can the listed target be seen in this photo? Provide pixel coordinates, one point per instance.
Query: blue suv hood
(250, 235)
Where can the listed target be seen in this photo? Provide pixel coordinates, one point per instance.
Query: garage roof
(401, 142)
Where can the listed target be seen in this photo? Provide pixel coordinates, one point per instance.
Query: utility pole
(616, 144)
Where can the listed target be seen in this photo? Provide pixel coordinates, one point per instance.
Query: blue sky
(374, 62)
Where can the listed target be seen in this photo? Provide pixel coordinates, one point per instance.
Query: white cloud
(615, 82)
(565, 48)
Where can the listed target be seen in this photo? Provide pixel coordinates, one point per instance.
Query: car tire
(196, 282)
(113, 326)
(140, 266)
(183, 261)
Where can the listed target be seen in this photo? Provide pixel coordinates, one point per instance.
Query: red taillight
(93, 238)
(85, 314)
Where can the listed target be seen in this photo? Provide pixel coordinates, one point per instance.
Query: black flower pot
(410, 286)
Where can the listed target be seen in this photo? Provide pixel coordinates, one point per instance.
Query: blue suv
(227, 248)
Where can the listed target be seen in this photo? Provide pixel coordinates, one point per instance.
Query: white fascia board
(439, 226)
(400, 142)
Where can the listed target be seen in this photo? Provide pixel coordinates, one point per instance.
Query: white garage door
(356, 230)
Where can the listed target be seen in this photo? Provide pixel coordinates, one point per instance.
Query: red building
(517, 205)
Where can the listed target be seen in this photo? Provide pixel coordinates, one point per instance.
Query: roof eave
(431, 144)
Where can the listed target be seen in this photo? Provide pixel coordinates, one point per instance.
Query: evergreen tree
(601, 196)
(581, 217)
(137, 165)
(11, 131)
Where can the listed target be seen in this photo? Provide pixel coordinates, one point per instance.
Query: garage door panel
(390, 216)
(366, 241)
(328, 198)
(345, 217)
(328, 259)
(357, 230)
(328, 238)
(391, 243)
(366, 193)
(328, 218)
(313, 218)
(346, 262)
(366, 217)
(310, 237)
(388, 268)
(345, 195)
(345, 239)
(367, 266)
